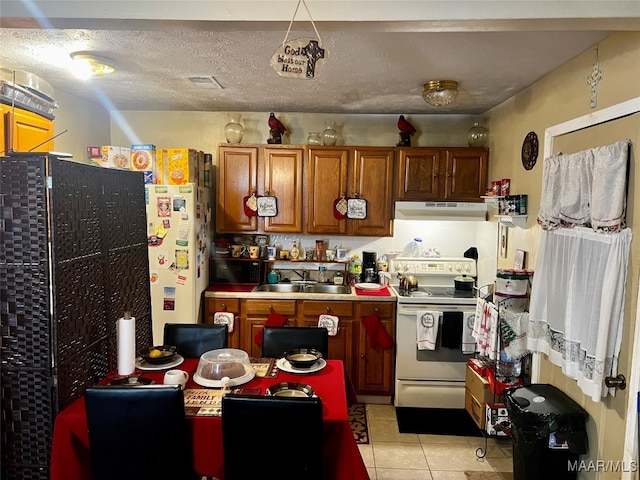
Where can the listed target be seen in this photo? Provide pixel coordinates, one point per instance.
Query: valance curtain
(576, 309)
(587, 188)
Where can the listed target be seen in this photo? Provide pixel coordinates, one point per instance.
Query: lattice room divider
(73, 257)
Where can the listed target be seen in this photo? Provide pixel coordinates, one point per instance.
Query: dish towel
(376, 333)
(330, 322)
(273, 320)
(468, 342)
(224, 318)
(427, 329)
(452, 329)
(513, 332)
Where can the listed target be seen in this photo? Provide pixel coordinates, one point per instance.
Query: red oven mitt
(273, 320)
(376, 332)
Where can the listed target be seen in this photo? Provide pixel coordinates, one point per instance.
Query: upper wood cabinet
(355, 172)
(275, 171)
(31, 132)
(451, 173)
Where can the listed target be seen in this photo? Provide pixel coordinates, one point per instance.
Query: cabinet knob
(376, 309)
(328, 309)
(270, 308)
(224, 307)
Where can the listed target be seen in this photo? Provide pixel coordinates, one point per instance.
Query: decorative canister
(513, 303)
(477, 135)
(234, 130)
(329, 135)
(512, 282)
(314, 138)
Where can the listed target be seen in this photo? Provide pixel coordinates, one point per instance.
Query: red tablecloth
(70, 458)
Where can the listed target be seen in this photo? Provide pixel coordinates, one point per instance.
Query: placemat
(208, 401)
(264, 367)
(383, 292)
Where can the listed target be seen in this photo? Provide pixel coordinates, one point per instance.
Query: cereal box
(94, 157)
(181, 166)
(160, 167)
(142, 157)
(114, 158)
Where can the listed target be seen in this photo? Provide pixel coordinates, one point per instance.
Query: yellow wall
(556, 98)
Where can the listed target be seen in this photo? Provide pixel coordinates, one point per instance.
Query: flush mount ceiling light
(440, 92)
(89, 65)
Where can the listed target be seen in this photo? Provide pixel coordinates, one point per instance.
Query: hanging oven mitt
(250, 204)
(273, 320)
(340, 206)
(376, 333)
(224, 318)
(330, 322)
(357, 208)
(267, 206)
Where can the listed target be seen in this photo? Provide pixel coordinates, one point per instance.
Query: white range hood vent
(441, 211)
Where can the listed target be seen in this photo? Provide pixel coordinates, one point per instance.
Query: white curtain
(577, 303)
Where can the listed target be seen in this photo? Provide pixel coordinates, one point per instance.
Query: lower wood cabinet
(371, 369)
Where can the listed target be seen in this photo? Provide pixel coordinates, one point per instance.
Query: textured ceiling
(370, 70)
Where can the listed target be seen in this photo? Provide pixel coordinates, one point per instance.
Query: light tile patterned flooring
(391, 455)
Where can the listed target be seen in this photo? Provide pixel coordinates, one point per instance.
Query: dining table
(70, 451)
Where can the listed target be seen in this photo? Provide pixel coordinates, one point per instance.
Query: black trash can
(548, 430)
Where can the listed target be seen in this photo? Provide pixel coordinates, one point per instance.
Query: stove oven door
(430, 378)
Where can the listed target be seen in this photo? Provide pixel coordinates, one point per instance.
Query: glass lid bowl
(225, 366)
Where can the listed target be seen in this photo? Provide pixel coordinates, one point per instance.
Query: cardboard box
(182, 164)
(160, 167)
(477, 394)
(94, 157)
(114, 157)
(143, 157)
(498, 422)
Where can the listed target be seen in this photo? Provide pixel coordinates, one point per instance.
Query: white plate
(284, 365)
(233, 382)
(368, 286)
(143, 365)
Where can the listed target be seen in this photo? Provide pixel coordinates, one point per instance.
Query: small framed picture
(519, 259)
(503, 240)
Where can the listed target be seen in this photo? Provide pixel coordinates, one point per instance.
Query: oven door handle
(414, 309)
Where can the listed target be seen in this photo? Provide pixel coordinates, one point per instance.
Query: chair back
(138, 432)
(286, 434)
(277, 340)
(193, 339)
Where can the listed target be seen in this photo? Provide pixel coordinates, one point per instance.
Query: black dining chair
(278, 340)
(193, 339)
(285, 431)
(138, 432)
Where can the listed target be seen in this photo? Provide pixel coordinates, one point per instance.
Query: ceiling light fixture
(440, 92)
(89, 65)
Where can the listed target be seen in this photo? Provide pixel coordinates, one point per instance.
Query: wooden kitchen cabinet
(375, 366)
(29, 130)
(231, 305)
(274, 171)
(442, 174)
(254, 314)
(341, 344)
(365, 172)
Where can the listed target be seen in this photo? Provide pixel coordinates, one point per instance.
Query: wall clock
(530, 150)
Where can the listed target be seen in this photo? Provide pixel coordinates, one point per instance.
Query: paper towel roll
(126, 329)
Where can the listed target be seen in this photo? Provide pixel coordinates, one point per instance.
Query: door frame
(620, 110)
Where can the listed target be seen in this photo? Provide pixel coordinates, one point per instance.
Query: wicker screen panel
(127, 222)
(26, 431)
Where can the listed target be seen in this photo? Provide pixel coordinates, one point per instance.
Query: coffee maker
(369, 267)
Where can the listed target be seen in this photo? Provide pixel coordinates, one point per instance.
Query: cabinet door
(326, 176)
(237, 177)
(231, 305)
(417, 177)
(254, 314)
(341, 344)
(375, 365)
(372, 179)
(31, 132)
(466, 178)
(282, 169)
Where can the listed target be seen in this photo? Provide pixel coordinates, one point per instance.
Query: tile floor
(391, 455)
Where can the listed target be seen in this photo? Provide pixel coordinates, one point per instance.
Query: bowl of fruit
(159, 354)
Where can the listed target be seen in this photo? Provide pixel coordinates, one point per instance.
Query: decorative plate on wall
(530, 150)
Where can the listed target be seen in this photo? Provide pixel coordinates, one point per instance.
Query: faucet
(304, 276)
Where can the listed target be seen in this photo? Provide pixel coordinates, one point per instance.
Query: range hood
(441, 211)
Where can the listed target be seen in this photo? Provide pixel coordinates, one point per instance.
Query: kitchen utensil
(159, 354)
(290, 389)
(464, 282)
(303, 357)
(408, 283)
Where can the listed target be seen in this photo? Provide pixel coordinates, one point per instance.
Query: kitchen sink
(279, 288)
(301, 288)
(324, 288)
